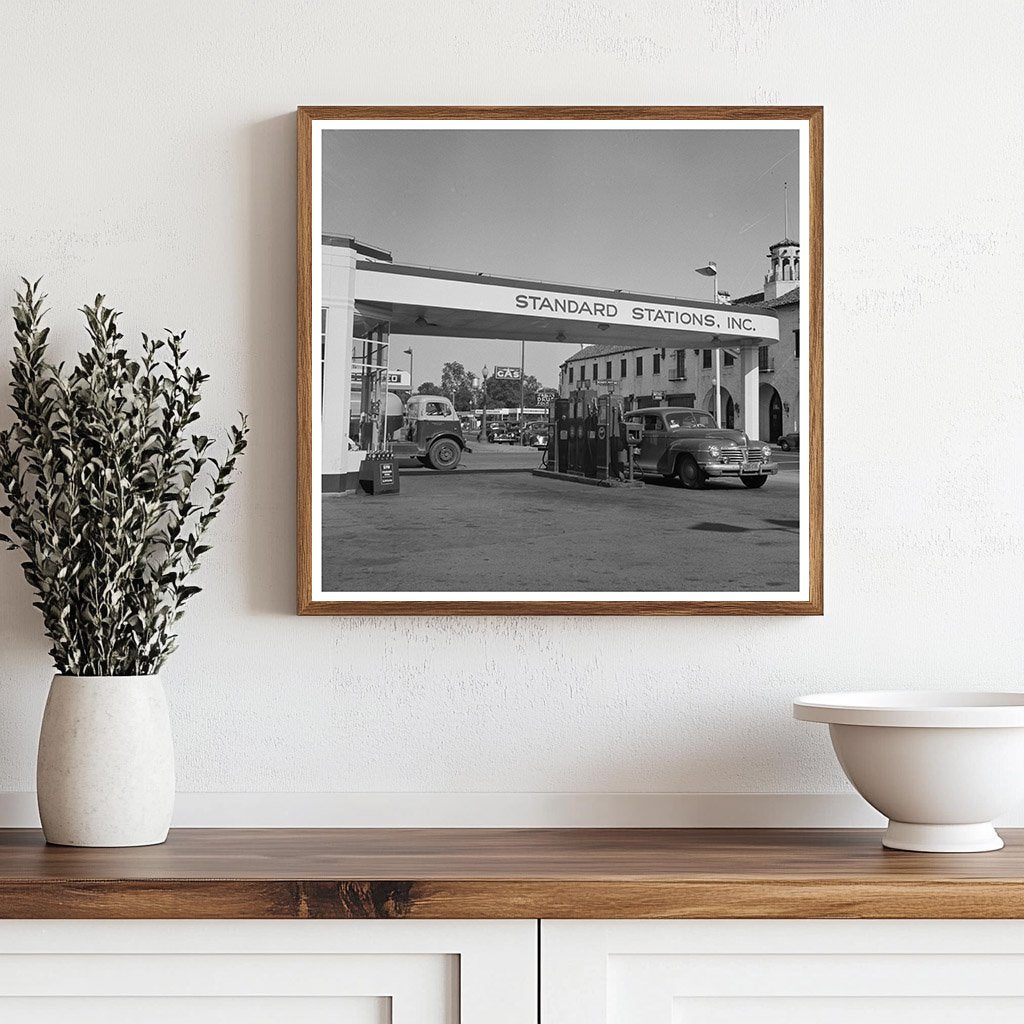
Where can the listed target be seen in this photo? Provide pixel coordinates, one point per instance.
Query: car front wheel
(444, 455)
(754, 481)
(690, 474)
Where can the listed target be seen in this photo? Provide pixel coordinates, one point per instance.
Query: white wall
(148, 152)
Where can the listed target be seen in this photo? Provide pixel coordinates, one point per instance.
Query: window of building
(729, 359)
(657, 363)
(681, 363)
(583, 372)
(622, 368)
(685, 400)
(639, 366)
(796, 343)
(570, 374)
(323, 347)
(707, 359)
(762, 358)
(597, 376)
(608, 370)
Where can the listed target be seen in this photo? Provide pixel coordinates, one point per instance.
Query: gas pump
(632, 436)
(588, 437)
(558, 435)
(605, 440)
(581, 421)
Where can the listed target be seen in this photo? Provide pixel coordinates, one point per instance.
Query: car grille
(735, 456)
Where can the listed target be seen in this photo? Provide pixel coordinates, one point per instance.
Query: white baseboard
(494, 810)
(503, 810)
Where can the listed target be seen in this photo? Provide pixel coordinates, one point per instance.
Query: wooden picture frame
(311, 599)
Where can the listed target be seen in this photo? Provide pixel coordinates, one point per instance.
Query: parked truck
(422, 427)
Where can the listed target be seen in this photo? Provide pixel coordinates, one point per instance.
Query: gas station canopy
(448, 304)
(365, 298)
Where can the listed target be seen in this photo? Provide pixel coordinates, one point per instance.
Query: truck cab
(432, 432)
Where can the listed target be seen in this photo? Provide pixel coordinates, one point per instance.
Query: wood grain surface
(508, 873)
(813, 293)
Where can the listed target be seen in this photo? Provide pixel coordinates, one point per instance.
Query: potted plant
(108, 495)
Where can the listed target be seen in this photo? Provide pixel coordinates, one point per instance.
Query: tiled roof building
(685, 377)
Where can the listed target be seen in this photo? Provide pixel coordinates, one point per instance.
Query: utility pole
(522, 382)
(785, 197)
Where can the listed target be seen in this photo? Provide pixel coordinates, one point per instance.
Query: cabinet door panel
(848, 1010)
(187, 1010)
(302, 972)
(798, 972)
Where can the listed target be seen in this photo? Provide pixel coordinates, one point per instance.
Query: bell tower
(784, 269)
(784, 260)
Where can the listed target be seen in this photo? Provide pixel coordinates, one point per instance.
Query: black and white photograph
(560, 360)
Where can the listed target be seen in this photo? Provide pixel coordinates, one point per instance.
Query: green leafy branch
(108, 493)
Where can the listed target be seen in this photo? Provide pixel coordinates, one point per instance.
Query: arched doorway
(728, 407)
(771, 414)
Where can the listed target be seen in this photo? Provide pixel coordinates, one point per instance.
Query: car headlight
(766, 453)
(714, 452)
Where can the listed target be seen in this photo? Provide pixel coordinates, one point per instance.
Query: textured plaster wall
(148, 152)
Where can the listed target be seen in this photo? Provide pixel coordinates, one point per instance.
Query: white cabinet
(782, 972)
(258, 972)
(486, 972)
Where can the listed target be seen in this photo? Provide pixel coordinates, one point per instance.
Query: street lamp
(408, 352)
(711, 270)
(483, 405)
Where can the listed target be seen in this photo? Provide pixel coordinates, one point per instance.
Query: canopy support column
(338, 298)
(751, 373)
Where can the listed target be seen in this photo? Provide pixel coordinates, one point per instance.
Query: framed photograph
(560, 361)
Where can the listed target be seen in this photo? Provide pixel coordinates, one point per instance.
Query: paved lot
(493, 526)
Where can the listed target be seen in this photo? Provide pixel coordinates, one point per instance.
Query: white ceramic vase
(105, 771)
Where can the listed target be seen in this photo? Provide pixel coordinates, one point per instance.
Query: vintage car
(790, 442)
(535, 435)
(431, 432)
(501, 432)
(689, 444)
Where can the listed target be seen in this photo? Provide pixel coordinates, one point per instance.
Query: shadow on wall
(265, 178)
(269, 177)
(21, 638)
(674, 745)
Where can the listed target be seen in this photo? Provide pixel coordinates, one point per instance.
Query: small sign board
(396, 378)
(508, 373)
(378, 476)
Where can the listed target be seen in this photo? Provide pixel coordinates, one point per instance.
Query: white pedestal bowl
(940, 766)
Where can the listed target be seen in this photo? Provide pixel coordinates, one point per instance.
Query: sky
(629, 208)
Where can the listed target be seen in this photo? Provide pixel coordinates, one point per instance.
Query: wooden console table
(496, 926)
(507, 874)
